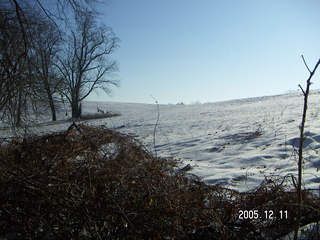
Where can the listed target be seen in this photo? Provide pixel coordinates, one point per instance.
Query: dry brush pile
(95, 183)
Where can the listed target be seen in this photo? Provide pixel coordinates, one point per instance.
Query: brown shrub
(95, 183)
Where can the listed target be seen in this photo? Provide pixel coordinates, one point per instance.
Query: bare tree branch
(305, 64)
(304, 93)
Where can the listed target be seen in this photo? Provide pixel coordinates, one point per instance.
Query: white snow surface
(235, 144)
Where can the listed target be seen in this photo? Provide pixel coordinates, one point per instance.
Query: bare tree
(14, 65)
(47, 43)
(20, 84)
(84, 64)
(27, 47)
(301, 141)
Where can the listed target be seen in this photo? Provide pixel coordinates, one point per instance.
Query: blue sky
(211, 50)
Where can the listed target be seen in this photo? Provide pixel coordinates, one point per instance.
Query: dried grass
(89, 116)
(95, 183)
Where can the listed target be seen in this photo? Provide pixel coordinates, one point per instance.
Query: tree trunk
(80, 110)
(18, 113)
(53, 109)
(52, 105)
(50, 99)
(75, 109)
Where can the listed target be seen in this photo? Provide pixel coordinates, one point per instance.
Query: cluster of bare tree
(50, 54)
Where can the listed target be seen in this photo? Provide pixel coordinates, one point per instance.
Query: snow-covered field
(235, 144)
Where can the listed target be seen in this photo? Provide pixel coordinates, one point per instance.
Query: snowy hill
(234, 144)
